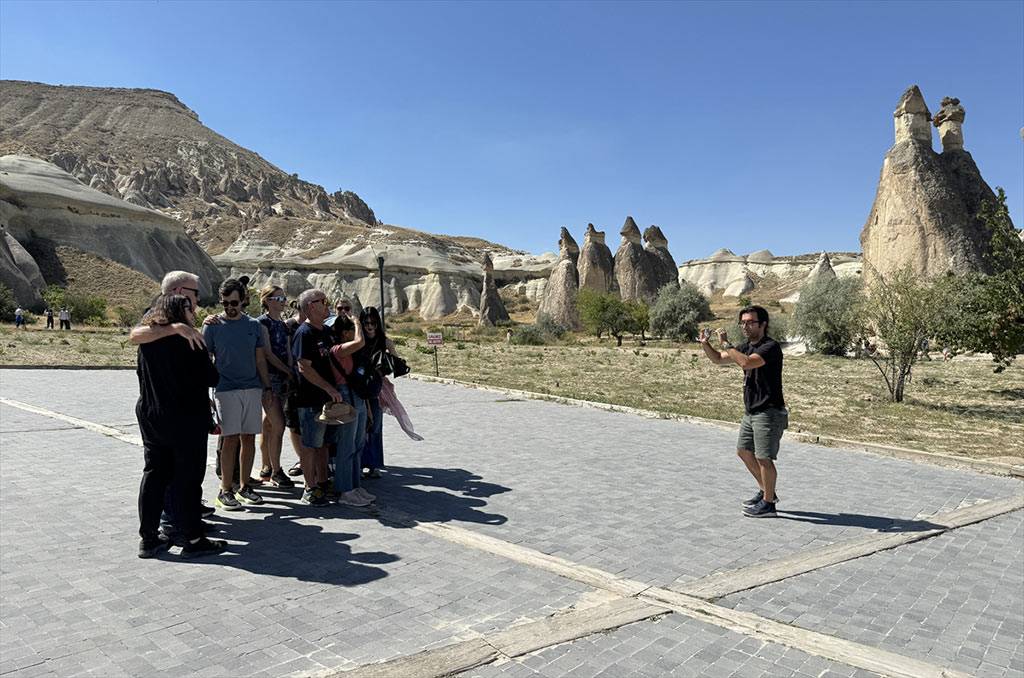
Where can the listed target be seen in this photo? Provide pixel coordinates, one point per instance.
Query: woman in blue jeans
(347, 463)
(377, 344)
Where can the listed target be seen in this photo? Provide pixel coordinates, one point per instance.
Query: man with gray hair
(311, 346)
(175, 282)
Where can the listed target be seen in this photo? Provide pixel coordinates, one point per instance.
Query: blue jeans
(373, 451)
(348, 466)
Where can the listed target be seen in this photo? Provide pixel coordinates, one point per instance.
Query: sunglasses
(232, 303)
(344, 309)
(319, 301)
(193, 290)
(281, 299)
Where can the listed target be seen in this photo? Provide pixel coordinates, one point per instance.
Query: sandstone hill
(147, 148)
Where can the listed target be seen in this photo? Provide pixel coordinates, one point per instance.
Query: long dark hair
(379, 341)
(167, 309)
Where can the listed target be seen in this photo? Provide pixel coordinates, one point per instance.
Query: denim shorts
(761, 432)
(316, 433)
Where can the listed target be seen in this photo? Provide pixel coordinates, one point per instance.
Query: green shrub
(527, 335)
(546, 325)
(678, 311)
(7, 303)
(829, 315)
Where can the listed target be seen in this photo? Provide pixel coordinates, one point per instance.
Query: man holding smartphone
(765, 416)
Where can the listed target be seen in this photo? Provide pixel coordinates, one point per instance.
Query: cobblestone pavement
(302, 589)
(956, 599)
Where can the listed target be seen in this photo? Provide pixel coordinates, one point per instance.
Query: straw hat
(337, 413)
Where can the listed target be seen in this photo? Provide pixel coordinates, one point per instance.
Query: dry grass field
(956, 407)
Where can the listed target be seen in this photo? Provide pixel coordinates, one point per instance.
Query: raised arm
(144, 334)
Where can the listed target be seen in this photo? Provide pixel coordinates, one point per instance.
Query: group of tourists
(320, 375)
(64, 314)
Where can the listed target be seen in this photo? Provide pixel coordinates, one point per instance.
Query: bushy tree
(900, 309)
(527, 335)
(602, 313)
(641, 316)
(985, 313)
(546, 325)
(829, 315)
(7, 303)
(678, 311)
(90, 308)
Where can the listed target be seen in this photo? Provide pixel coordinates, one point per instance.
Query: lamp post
(380, 273)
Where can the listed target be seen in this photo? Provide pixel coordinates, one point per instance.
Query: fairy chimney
(559, 302)
(950, 123)
(661, 263)
(633, 268)
(492, 308)
(596, 265)
(912, 118)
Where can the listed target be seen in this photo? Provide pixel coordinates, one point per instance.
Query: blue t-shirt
(233, 344)
(278, 333)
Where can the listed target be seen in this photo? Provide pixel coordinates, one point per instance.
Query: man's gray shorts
(240, 411)
(762, 432)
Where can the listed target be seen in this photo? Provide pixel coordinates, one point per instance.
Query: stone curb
(935, 458)
(67, 367)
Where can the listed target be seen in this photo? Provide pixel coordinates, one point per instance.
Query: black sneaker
(226, 500)
(247, 495)
(761, 509)
(313, 496)
(265, 473)
(755, 499)
(281, 479)
(206, 511)
(295, 470)
(150, 547)
(203, 547)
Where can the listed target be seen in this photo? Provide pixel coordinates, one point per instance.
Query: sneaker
(364, 494)
(149, 547)
(374, 473)
(247, 495)
(761, 509)
(254, 481)
(205, 511)
(352, 498)
(330, 494)
(226, 500)
(758, 497)
(203, 547)
(266, 472)
(295, 470)
(313, 496)
(280, 479)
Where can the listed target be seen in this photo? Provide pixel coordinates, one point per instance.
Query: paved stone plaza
(521, 538)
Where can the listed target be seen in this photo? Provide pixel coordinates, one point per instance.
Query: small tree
(678, 311)
(985, 313)
(54, 296)
(602, 313)
(545, 324)
(900, 309)
(7, 303)
(829, 315)
(640, 313)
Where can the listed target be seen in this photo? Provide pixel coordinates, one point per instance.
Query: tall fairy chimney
(950, 121)
(912, 118)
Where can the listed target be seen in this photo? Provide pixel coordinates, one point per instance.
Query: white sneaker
(364, 494)
(351, 498)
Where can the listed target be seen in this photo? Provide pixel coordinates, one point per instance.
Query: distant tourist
(174, 421)
(19, 317)
(279, 365)
(49, 318)
(924, 349)
(65, 318)
(311, 347)
(765, 416)
(244, 389)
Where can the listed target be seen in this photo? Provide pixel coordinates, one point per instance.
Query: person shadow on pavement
(460, 496)
(281, 546)
(879, 523)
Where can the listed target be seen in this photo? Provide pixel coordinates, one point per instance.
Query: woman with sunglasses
(279, 364)
(174, 421)
(377, 343)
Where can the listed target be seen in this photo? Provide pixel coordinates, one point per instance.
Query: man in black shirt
(765, 416)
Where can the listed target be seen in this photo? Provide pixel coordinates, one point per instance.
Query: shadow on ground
(459, 496)
(879, 523)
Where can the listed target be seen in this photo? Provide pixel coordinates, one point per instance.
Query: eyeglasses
(319, 301)
(345, 309)
(281, 299)
(747, 323)
(193, 290)
(232, 303)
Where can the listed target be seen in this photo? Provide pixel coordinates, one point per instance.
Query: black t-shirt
(762, 387)
(313, 345)
(173, 383)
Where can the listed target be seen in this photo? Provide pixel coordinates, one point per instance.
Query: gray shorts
(760, 433)
(240, 411)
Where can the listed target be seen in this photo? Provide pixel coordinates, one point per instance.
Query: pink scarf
(389, 403)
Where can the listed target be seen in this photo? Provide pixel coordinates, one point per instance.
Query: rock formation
(559, 301)
(12, 274)
(492, 308)
(596, 265)
(822, 270)
(662, 265)
(633, 269)
(43, 207)
(925, 213)
(787, 274)
(740, 286)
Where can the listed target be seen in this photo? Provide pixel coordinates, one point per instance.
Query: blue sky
(740, 125)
